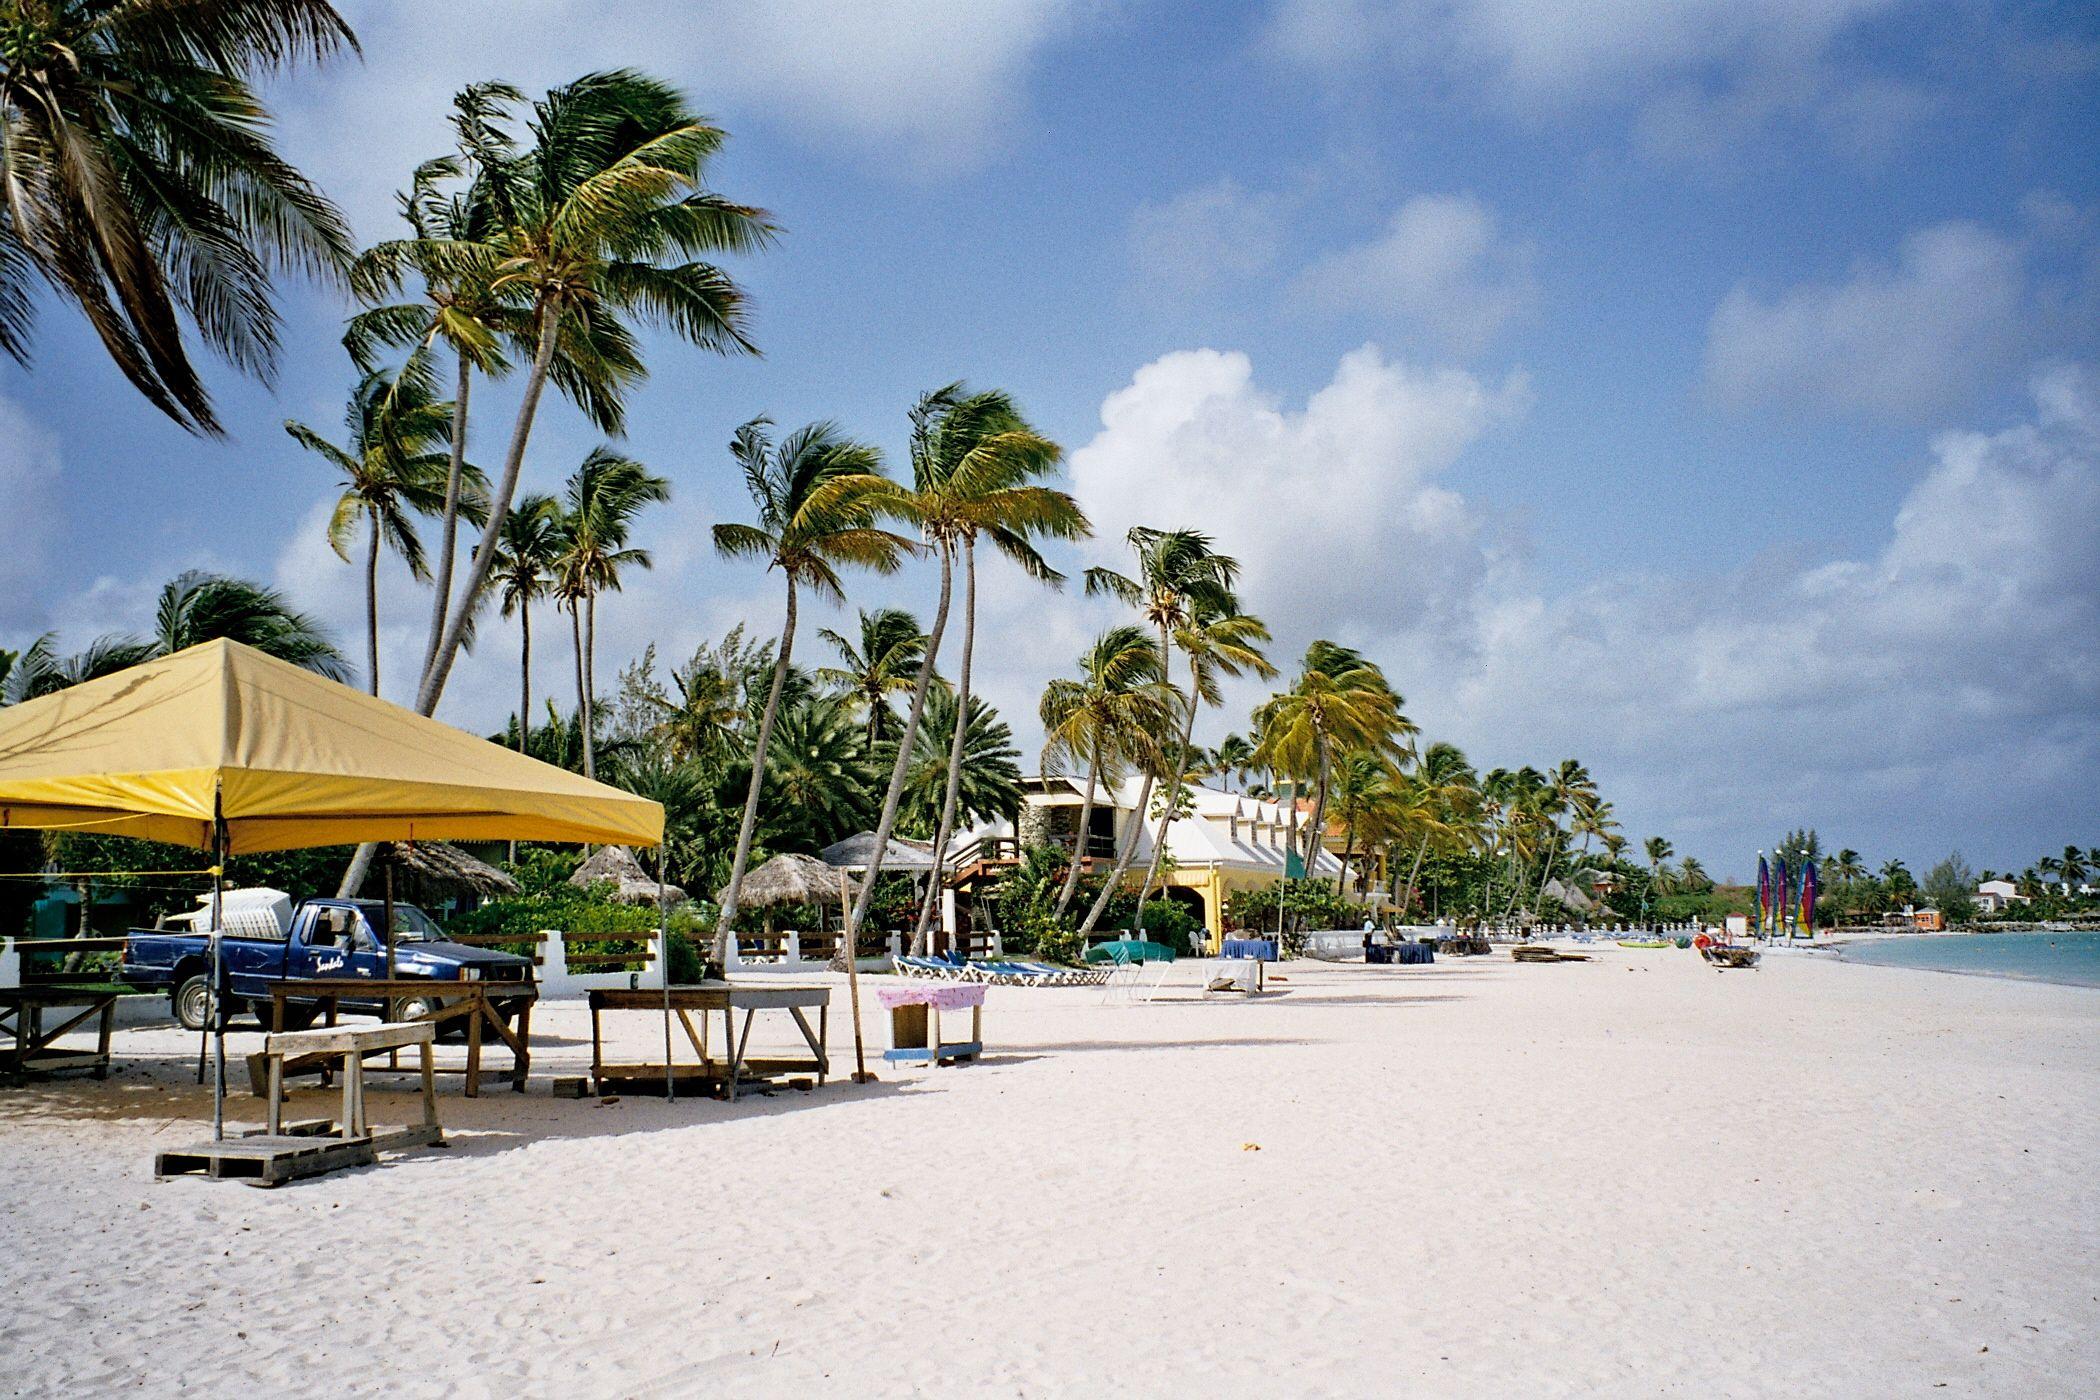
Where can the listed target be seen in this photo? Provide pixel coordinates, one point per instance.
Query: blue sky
(1703, 389)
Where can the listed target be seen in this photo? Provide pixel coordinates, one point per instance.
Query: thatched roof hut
(902, 856)
(792, 879)
(442, 865)
(631, 884)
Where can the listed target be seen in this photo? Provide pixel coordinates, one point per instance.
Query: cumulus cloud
(1940, 689)
(1696, 73)
(1894, 340)
(923, 85)
(1441, 264)
(29, 475)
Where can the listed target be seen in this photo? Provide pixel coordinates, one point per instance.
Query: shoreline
(1837, 948)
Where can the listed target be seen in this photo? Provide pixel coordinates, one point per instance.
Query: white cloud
(1344, 489)
(29, 475)
(1697, 73)
(1441, 264)
(1209, 234)
(1942, 689)
(922, 85)
(1892, 340)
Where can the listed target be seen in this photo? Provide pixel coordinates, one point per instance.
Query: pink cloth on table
(946, 996)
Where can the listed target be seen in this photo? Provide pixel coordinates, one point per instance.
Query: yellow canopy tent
(286, 758)
(225, 749)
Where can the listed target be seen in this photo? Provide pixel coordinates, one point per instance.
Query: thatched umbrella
(631, 884)
(442, 865)
(791, 879)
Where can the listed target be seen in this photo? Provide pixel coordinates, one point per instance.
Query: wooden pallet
(302, 1150)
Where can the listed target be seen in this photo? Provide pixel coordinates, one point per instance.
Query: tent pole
(218, 966)
(663, 914)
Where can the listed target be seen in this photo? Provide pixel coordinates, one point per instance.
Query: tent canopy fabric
(294, 758)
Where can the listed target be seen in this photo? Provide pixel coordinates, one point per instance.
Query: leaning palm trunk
(725, 921)
(524, 673)
(481, 561)
(1181, 768)
(1137, 827)
(946, 830)
(576, 645)
(372, 606)
(898, 770)
(1079, 843)
(1546, 875)
(1414, 870)
(1317, 832)
(448, 544)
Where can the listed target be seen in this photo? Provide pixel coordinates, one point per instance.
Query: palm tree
(1178, 574)
(976, 471)
(816, 495)
(1572, 791)
(1111, 716)
(704, 723)
(2071, 868)
(1339, 702)
(820, 771)
(599, 506)
(391, 469)
(991, 772)
(140, 183)
(882, 663)
(574, 232)
(974, 462)
(1449, 795)
(1658, 851)
(526, 552)
(1217, 643)
(1235, 756)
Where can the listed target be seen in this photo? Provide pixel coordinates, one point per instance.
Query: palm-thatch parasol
(791, 879)
(631, 884)
(441, 864)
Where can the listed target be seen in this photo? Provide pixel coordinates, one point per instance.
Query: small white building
(1994, 895)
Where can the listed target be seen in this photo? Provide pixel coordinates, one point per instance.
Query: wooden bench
(723, 1073)
(283, 1153)
(476, 1007)
(32, 1049)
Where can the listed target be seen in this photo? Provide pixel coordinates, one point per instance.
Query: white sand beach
(1635, 1176)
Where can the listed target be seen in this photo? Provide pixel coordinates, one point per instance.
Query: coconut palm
(704, 722)
(991, 774)
(599, 505)
(1217, 640)
(820, 771)
(140, 183)
(392, 467)
(1340, 702)
(1449, 798)
(876, 667)
(1234, 757)
(977, 468)
(1179, 575)
(975, 464)
(1106, 720)
(2071, 868)
(576, 230)
(816, 493)
(527, 549)
(1571, 792)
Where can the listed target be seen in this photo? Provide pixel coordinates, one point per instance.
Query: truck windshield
(411, 925)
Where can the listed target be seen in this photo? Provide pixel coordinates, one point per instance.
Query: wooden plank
(359, 1039)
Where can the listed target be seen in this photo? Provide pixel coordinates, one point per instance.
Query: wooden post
(860, 1059)
(663, 915)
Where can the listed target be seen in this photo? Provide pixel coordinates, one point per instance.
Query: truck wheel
(417, 1007)
(193, 1002)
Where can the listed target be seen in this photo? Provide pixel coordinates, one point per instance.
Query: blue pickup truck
(323, 938)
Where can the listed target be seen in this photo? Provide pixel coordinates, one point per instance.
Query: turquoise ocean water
(2035, 957)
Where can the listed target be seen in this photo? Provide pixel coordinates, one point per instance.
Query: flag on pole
(1764, 892)
(1808, 899)
(1782, 895)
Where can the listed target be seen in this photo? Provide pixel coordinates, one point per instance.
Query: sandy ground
(1635, 1176)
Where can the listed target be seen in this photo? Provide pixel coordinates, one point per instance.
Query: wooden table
(705, 998)
(915, 1022)
(478, 1004)
(284, 1152)
(31, 1048)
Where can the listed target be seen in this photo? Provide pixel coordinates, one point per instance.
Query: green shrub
(1170, 922)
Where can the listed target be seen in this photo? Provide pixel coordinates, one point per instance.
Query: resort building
(1994, 895)
(1225, 843)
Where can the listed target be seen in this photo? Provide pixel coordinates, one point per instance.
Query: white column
(10, 964)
